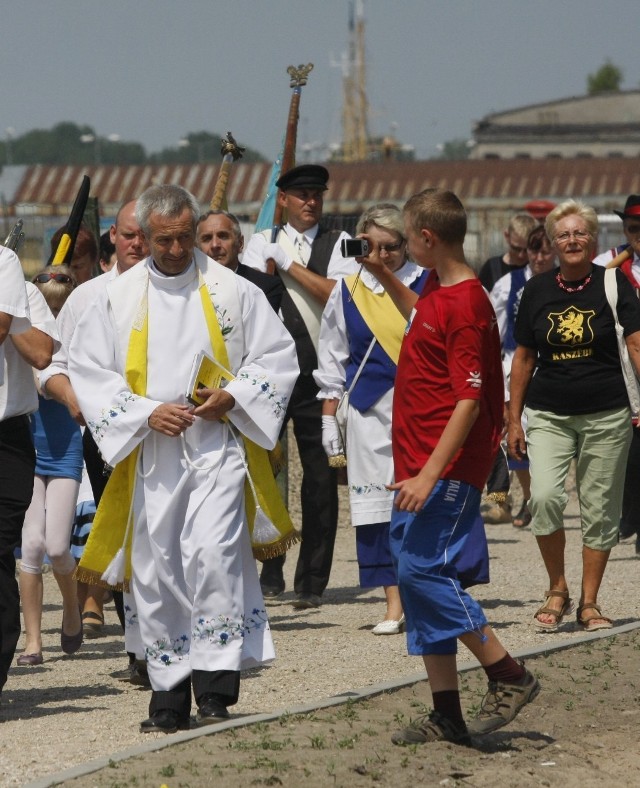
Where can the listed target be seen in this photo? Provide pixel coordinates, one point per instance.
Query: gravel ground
(71, 709)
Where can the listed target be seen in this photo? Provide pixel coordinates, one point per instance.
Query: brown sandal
(567, 607)
(585, 621)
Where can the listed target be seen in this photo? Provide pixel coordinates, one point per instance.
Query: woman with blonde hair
(576, 406)
(360, 338)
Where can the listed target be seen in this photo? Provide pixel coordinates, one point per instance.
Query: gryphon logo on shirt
(571, 327)
(474, 380)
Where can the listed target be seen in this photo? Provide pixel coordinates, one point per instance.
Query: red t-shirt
(451, 352)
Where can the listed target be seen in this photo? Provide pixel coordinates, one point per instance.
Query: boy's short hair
(440, 211)
(522, 224)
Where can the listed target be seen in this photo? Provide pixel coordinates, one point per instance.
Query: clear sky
(153, 70)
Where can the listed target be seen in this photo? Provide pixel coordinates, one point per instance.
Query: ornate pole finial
(299, 75)
(230, 146)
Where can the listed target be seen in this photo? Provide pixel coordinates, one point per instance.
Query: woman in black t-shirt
(576, 406)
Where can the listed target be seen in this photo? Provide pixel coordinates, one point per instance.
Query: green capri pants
(600, 443)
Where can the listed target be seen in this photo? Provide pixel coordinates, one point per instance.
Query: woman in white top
(360, 335)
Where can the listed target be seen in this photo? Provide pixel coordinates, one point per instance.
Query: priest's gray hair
(166, 200)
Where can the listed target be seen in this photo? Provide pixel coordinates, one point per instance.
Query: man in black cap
(308, 260)
(630, 520)
(631, 228)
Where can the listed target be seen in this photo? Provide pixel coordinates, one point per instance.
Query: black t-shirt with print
(578, 366)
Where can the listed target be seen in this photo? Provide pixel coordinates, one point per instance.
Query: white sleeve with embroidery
(268, 370)
(116, 417)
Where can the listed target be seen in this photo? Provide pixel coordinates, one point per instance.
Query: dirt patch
(580, 731)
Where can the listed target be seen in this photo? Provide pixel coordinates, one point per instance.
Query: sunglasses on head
(42, 279)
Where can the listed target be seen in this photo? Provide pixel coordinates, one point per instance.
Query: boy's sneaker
(432, 727)
(502, 703)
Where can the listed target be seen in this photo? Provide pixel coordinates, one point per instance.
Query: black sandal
(523, 518)
(92, 624)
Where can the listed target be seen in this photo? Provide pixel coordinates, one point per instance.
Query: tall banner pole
(299, 77)
(230, 151)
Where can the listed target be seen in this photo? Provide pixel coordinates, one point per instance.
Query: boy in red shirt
(447, 420)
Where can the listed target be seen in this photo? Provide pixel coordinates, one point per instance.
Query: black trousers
(17, 467)
(318, 496)
(630, 520)
(498, 481)
(224, 683)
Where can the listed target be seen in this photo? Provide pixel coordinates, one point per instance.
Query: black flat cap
(306, 176)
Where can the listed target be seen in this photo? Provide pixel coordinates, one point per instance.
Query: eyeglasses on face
(579, 235)
(632, 229)
(517, 249)
(390, 248)
(49, 275)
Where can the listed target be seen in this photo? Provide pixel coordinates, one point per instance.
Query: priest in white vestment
(193, 575)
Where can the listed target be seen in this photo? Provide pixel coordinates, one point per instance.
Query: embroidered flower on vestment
(130, 617)
(222, 315)
(167, 652)
(222, 629)
(98, 428)
(278, 404)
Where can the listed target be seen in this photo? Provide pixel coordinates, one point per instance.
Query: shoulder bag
(628, 371)
(343, 405)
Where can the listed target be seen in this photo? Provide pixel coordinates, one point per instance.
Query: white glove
(331, 442)
(277, 253)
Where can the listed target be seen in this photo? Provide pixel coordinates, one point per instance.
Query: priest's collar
(172, 281)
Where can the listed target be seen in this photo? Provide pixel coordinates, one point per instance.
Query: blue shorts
(426, 548)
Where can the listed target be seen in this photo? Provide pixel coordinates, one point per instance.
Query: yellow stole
(381, 316)
(112, 530)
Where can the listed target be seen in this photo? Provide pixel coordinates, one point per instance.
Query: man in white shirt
(22, 344)
(131, 247)
(309, 261)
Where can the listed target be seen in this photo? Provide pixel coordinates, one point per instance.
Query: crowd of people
(398, 363)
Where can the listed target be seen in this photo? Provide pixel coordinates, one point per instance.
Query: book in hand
(206, 373)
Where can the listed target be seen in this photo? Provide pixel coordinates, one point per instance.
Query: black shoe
(164, 721)
(138, 675)
(306, 601)
(272, 590)
(211, 709)
(626, 531)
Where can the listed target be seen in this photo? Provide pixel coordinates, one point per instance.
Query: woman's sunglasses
(42, 279)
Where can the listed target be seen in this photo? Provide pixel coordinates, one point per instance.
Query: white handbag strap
(611, 291)
(360, 368)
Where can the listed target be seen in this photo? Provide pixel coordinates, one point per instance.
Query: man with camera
(309, 260)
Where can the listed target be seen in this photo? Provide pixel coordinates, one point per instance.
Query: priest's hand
(171, 419)
(217, 403)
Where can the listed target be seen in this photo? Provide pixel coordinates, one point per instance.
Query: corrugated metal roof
(480, 183)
